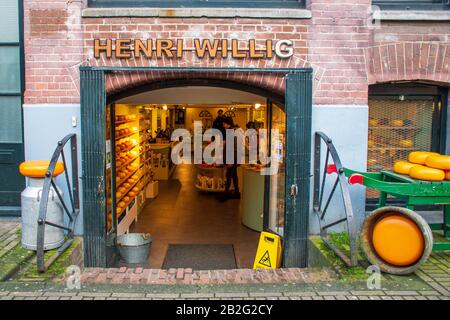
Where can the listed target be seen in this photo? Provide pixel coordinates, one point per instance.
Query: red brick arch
(408, 61)
(274, 82)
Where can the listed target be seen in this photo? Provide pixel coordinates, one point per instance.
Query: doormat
(200, 256)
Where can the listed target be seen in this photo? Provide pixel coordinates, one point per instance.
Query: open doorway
(289, 87)
(199, 215)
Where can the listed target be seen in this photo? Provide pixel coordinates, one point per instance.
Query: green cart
(413, 192)
(331, 178)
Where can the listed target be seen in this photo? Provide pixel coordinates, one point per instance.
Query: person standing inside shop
(218, 122)
(231, 169)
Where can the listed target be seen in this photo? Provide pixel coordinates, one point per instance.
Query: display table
(162, 165)
(210, 179)
(252, 206)
(213, 178)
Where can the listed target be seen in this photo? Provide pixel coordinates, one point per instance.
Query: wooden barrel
(398, 240)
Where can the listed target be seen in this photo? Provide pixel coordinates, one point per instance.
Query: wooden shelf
(393, 128)
(125, 179)
(391, 148)
(126, 164)
(127, 135)
(118, 123)
(126, 193)
(132, 147)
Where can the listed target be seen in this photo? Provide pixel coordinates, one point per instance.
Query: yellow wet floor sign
(268, 254)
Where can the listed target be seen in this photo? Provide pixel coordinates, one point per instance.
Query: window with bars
(399, 124)
(198, 3)
(413, 4)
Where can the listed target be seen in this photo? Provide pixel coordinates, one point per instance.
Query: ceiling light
(165, 107)
(257, 105)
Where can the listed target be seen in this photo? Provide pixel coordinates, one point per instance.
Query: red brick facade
(339, 43)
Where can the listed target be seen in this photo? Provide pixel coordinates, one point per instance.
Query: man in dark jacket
(218, 122)
(231, 173)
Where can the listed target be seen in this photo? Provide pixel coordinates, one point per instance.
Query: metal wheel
(322, 197)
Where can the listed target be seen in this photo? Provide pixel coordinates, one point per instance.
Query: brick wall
(410, 51)
(338, 36)
(338, 42)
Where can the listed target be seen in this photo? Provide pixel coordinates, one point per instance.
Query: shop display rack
(138, 168)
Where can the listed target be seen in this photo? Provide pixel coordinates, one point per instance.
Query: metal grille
(397, 127)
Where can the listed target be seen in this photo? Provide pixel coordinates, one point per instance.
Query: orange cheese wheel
(425, 173)
(420, 157)
(403, 167)
(38, 168)
(406, 143)
(447, 175)
(398, 240)
(438, 162)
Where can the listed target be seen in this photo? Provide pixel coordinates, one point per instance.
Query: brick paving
(435, 273)
(9, 236)
(311, 295)
(187, 276)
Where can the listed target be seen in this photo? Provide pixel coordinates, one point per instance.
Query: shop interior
(182, 206)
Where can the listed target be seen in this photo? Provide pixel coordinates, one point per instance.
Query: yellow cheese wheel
(398, 240)
(38, 168)
(426, 173)
(403, 167)
(447, 175)
(397, 123)
(420, 157)
(406, 143)
(438, 162)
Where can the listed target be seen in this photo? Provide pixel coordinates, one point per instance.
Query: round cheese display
(426, 173)
(403, 167)
(420, 157)
(438, 162)
(406, 143)
(398, 123)
(398, 240)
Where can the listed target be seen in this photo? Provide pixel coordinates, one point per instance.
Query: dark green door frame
(13, 153)
(298, 103)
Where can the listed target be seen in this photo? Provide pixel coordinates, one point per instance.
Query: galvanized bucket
(134, 247)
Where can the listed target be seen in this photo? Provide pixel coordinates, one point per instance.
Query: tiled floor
(182, 214)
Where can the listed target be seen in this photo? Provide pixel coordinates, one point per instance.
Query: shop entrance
(194, 222)
(184, 204)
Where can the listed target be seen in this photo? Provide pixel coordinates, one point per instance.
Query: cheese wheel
(406, 143)
(420, 157)
(403, 167)
(447, 175)
(438, 162)
(398, 123)
(426, 173)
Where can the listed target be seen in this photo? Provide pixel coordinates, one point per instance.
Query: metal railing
(72, 213)
(320, 183)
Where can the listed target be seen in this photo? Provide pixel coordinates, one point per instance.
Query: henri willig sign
(212, 48)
